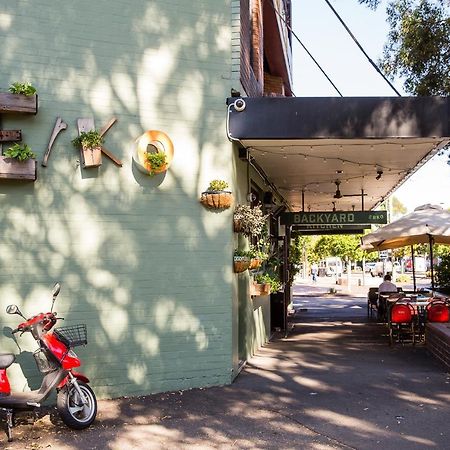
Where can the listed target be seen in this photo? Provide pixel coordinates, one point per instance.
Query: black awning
(335, 117)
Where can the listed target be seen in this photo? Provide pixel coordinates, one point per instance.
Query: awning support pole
(431, 263)
(413, 267)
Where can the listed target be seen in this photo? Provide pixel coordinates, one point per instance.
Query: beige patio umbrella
(428, 224)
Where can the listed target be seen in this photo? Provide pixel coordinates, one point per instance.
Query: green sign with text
(334, 218)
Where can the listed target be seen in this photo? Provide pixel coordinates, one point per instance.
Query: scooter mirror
(13, 309)
(56, 289)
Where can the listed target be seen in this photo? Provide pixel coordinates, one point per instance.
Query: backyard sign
(334, 218)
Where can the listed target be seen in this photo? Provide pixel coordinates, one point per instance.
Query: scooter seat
(6, 359)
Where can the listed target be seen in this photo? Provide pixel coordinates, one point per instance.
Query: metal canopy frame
(364, 146)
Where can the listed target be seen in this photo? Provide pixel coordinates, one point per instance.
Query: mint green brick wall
(139, 259)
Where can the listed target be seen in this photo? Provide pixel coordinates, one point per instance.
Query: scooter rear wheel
(73, 412)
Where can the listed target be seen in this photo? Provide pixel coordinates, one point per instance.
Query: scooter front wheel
(75, 412)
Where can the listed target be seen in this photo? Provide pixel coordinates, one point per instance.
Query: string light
(342, 160)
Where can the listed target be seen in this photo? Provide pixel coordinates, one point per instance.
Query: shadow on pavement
(332, 383)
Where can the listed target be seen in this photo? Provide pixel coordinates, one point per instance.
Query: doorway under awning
(323, 153)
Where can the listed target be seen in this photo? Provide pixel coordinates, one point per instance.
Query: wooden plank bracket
(109, 154)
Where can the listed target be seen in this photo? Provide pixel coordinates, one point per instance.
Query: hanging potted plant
(216, 196)
(90, 145)
(18, 163)
(153, 153)
(258, 255)
(155, 162)
(249, 221)
(241, 261)
(264, 284)
(22, 98)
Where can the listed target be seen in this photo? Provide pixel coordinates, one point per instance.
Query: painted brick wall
(438, 342)
(139, 259)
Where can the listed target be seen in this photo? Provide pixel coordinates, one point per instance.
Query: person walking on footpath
(314, 271)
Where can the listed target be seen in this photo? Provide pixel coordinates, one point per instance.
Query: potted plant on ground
(18, 163)
(216, 196)
(249, 221)
(90, 145)
(241, 260)
(22, 98)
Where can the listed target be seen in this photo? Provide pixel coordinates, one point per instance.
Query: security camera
(239, 105)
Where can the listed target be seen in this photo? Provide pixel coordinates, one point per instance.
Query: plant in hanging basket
(241, 261)
(216, 196)
(18, 163)
(90, 144)
(249, 221)
(155, 162)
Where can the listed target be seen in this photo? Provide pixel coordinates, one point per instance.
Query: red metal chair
(438, 311)
(401, 323)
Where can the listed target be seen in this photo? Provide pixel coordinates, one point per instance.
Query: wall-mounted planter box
(18, 103)
(259, 289)
(91, 157)
(11, 168)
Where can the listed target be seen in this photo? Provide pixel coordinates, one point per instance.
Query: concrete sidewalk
(333, 383)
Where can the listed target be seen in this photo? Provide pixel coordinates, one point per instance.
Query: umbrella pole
(431, 263)
(413, 267)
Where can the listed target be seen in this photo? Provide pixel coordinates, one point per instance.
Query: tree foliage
(418, 44)
(345, 246)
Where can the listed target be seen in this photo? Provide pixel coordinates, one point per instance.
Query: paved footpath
(333, 383)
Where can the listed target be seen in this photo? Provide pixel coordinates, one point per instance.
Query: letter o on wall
(152, 140)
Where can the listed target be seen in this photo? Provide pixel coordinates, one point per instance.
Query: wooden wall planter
(241, 263)
(18, 103)
(91, 157)
(11, 168)
(216, 199)
(259, 289)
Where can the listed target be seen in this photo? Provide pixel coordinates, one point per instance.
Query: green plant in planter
(257, 252)
(217, 185)
(249, 221)
(22, 88)
(156, 162)
(272, 280)
(88, 139)
(243, 253)
(20, 152)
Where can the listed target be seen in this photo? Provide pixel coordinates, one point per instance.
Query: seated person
(386, 287)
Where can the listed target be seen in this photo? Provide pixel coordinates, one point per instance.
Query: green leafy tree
(442, 274)
(345, 246)
(397, 207)
(418, 44)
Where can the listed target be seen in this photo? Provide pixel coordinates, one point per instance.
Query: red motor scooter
(55, 359)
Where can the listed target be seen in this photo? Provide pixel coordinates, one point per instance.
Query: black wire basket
(72, 336)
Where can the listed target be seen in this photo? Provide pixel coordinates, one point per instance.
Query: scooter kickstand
(9, 424)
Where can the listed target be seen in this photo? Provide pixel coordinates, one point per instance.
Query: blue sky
(324, 36)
